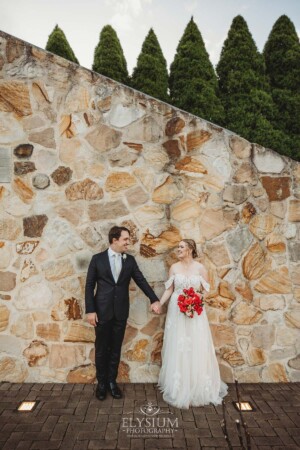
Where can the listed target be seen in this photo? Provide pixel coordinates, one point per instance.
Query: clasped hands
(156, 307)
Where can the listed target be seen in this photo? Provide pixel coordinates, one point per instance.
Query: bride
(189, 374)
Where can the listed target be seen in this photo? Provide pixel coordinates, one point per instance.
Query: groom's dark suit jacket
(112, 298)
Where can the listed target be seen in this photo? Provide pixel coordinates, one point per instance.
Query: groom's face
(121, 244)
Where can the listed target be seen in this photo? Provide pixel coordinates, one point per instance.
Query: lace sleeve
(169, 282)
(205, 284)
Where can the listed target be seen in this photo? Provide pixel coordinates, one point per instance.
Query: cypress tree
(193, 82)
(109, 59)
(282, 58)
(58, 44)
(150, 74)
(244, 89)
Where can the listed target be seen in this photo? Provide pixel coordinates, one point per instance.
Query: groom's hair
(115, 233)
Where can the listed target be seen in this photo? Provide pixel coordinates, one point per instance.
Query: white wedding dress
(190, 373)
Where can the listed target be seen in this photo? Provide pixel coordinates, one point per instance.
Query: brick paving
(68, 416)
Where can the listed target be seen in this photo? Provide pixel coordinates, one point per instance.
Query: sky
(82, 21)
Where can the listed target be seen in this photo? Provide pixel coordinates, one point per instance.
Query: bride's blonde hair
(192, 245)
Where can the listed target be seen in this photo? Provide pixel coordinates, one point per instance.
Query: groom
(108, 309)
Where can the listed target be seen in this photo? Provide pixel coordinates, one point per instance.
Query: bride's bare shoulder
(202, 269)
(198, 264)
(174, 267)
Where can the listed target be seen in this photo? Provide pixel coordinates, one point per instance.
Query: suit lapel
(123, 266)
(107, 263)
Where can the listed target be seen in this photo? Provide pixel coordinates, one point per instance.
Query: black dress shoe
(115, 390)
(101, 391)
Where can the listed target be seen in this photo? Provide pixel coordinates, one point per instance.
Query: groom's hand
(92, 319)
(156, 307)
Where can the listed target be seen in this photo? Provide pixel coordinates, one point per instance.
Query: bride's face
(183, 250)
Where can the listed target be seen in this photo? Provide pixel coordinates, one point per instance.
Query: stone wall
(84, 153)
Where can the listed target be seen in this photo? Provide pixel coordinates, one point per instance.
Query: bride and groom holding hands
(189, 374)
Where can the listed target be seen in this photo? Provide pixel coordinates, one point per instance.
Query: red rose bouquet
(190, 301)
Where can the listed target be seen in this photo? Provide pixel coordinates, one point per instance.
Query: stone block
(12, 370)
(4, 317)
(36, 353)
(63, 356)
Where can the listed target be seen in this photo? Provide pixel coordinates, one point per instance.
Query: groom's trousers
(108, 344)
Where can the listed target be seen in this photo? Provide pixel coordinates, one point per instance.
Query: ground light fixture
(243, 406)
(27, 406)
